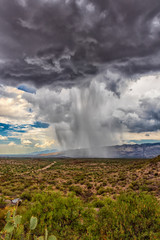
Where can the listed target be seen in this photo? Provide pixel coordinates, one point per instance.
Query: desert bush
(2, 202)
(77, 189)
(101, 190)
(89, 185)
(134, 185)
(61, 215)
(26, 196)
(132, 216)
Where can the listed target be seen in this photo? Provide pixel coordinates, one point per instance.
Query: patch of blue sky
(144, 141)
(17, 141)
(26, 88)
(7, 129)
(4, 129)
(40, 125)
(30, 110)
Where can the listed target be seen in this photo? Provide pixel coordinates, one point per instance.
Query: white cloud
(141, 136)
(3, 137)
(14, 109)
(26, 142)
(39, 137)
(11, 144)
(33, 139)
(145, 86)
(45, 145)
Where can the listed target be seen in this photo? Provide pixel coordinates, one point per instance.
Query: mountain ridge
(145, 150)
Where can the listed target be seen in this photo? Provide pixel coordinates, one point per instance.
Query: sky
(78, 74)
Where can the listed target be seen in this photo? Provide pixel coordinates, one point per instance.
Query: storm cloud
(83, 118)
(61, 43)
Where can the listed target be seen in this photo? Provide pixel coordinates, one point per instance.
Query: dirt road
(46, 167)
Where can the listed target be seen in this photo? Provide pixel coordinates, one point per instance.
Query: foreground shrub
(66, 217)
(132, 216)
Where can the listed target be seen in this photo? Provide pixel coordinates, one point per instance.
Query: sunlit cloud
(11, 144)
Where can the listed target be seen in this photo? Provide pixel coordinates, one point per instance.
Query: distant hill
(148, 150)
(45, 152)
(49, 154)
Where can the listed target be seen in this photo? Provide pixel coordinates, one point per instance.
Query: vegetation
(15, 230)
(86, 199)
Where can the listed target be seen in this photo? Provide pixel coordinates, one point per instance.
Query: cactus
(46, 234)
(9, 227)
(52, 237)
(13, 223)
(8, 216)
(33, 223)
(17, 220)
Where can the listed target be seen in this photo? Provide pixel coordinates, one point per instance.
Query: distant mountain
(49, 154)
(45, 152)
(148, 150)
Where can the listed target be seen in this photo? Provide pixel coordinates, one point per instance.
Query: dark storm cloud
(151, 108)
(46, 42)
(145, 118)
(139, 124)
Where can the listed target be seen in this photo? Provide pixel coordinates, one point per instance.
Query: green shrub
(2, 203)
(130, 217)
(98, 203)
(26, 196)
(101, 190)
(89, 185)
(134, 185)
(61, 215)
(76, 189)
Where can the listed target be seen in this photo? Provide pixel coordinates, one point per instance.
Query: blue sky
(27, 88)
(7, 129)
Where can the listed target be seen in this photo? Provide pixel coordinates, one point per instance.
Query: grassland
(85, 194)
